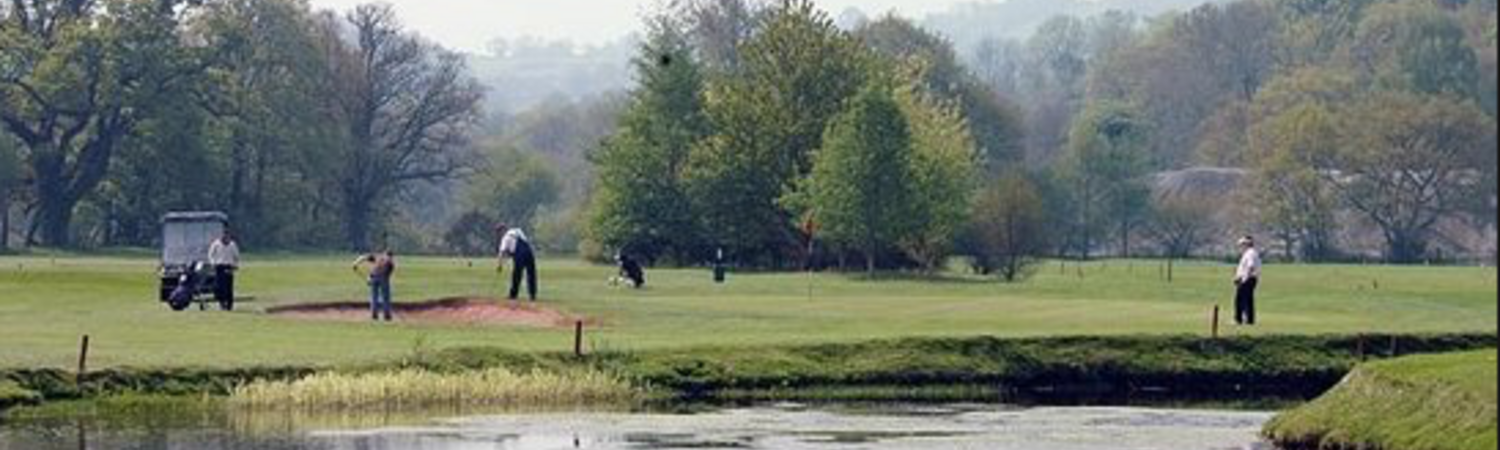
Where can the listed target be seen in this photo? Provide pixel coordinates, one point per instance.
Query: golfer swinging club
(515, 245)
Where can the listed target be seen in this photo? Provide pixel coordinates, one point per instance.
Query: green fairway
(45, 306)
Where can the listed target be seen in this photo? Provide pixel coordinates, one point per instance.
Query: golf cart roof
(201, 216)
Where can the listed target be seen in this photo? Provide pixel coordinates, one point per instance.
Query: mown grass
(1434, 402)
(47, 304)
(418, 388)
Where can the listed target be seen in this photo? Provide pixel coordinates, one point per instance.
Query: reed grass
(417, 388)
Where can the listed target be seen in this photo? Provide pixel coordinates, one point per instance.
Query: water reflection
(783, 427)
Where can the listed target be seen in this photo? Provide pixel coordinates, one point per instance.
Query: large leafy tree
(1290, 192)
(76, 79)
(640, 202)
(1106, 166)
(860, 193)
(276, 118)
(795, 75)
(1407, 161)
(409, 108)
(1414, 46)
(945, 173)
(994, 124)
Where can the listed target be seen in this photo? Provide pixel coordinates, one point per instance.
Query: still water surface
(784, 427)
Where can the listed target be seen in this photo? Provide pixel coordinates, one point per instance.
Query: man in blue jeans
(382, 267)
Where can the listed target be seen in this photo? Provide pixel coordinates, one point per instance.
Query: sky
(469, 25)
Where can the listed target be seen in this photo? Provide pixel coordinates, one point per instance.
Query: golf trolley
(186, 277)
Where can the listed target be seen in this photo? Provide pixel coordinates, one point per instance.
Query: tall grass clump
(416, 388)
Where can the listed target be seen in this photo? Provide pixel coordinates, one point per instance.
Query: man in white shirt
(1246, 278)
(224, 256)
(515, 245)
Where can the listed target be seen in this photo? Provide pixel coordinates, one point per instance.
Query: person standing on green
(382, 266)
(515, 246)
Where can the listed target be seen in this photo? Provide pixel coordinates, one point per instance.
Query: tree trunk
(357, 217)
(870, 262)
(4, 221)
(1405, 246)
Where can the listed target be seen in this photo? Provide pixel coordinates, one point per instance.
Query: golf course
(49, 303)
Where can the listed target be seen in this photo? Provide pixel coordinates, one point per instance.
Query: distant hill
(525, 76)
(968, 23)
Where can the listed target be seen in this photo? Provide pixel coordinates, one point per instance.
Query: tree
(1289, 190)
(995, 126)
(860, 191)
(717, 29)
(76, 76)
(275, 119)
(641, 201)
(945, 172)
(796, 74)
(1408, 160)
(1180, 224)
(1009, 227)
(513, 186)
(1106, 166)
(10, 181)
(409, 107)
(1415, 46)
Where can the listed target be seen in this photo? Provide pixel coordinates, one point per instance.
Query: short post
(1359, 348)
(578, 338)
(1216, 322)
(83, 360)
(1169, 270)
(1394, 350)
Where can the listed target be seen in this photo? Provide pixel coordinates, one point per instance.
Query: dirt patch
(472, 311)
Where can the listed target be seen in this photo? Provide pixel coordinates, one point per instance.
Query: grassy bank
(1437, 402)
(46, 305)
(417, 388)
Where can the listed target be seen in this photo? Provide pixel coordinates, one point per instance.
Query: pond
(780, 426)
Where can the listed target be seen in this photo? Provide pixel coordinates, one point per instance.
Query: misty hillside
(966, 24)
(520, 75)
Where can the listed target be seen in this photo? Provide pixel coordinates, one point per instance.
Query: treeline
(307, 127)
(764, 131)
(1337, 128)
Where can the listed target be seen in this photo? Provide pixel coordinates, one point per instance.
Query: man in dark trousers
(1246, 279)
(224, 256)
(515, 245)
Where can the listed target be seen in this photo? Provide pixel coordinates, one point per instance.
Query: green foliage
(1010, 228)
(1106, 167)
(640, 204)
(795, 74)
(945, 172)
(1406, 161)
(1290, 193)
(513, 187)
(995, 127)
(860, 193)
(1414, 46)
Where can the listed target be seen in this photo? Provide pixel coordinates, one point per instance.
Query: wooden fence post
(1216, 322)
(83, 360)
(578, 339)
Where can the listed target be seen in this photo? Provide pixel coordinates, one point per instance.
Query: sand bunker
(475, 311)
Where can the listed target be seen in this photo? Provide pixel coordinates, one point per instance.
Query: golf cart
(185, 274)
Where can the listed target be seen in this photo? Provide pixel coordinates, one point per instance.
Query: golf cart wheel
(178, 305)
(226, 305)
